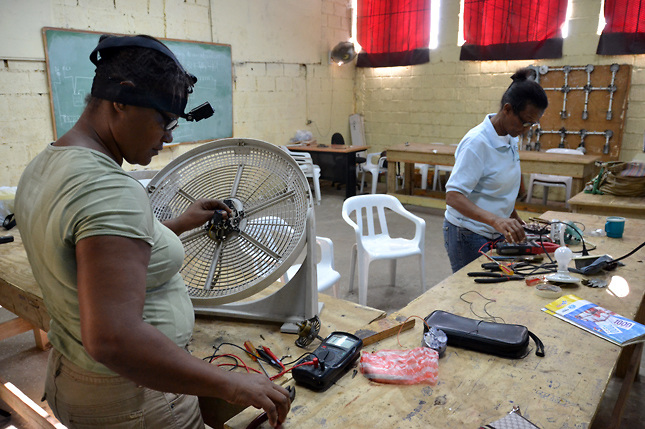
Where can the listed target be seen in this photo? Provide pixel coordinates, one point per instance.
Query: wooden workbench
(580, 167)
(20, 294)
(608, 205)
(561, 390)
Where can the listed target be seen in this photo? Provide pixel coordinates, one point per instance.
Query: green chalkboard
(70, 73)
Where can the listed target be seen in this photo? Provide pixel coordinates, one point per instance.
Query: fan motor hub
(219, 229)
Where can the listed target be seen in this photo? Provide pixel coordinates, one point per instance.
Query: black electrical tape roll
(9, 222)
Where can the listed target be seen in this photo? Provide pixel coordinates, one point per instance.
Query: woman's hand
(258, 391)
(511, 228)
(197, 214)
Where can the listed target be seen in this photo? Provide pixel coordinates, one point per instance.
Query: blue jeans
(463, 245)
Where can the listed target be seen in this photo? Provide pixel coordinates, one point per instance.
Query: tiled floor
(23, 364)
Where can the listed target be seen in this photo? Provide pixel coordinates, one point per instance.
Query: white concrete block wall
(271, 100)
(442, 100)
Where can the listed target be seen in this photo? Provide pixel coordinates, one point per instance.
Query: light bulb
(563, 255)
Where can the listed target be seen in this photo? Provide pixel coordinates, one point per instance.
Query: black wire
(630, 253)
(490, 317)
(296, 360)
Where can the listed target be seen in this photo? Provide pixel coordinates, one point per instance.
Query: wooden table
(20, 294)
(561, 390)
(608, 205)
(331, 158)
(580, 167)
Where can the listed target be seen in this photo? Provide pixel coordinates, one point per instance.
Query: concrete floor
(24, 365)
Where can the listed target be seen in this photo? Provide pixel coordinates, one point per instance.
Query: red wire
(312, 362)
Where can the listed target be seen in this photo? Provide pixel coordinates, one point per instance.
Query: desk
(328, 159)
(20, 294)
(608, 205)
(561, 390)
(580, 167)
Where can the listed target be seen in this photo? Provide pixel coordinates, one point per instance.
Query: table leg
(350, 168)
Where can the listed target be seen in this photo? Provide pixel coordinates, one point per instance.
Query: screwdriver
(254, 355)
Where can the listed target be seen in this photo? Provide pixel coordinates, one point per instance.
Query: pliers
(494, 277)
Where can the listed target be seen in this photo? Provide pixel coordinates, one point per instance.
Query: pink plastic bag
(420, 365)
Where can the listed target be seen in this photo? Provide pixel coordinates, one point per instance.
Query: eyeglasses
(169, 123)
(526, 124)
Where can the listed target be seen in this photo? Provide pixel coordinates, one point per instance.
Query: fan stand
(296, 301)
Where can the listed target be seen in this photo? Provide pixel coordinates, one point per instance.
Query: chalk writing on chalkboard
(70, 73)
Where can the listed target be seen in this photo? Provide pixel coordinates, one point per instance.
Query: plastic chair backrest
(363, 206)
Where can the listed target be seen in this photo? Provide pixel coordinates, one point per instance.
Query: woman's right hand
(260, 392)
(510, 228)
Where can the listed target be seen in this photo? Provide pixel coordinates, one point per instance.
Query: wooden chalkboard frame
(72, 78)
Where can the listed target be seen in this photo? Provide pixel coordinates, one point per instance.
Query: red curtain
(624, 31)
(393, 32)
(513, 29)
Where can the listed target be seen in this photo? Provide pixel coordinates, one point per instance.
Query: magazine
(597, 320)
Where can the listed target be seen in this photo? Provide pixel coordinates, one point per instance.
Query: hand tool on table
(494, 277)
(502, 267)
(254, 355)
(270, 358)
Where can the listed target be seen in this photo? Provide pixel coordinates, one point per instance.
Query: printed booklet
(597, 320)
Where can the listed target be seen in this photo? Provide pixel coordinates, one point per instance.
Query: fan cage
(274, 196)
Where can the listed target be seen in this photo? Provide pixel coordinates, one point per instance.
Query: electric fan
(342, 53)
(230, 263)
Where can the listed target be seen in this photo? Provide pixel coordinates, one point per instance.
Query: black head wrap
(113, 90)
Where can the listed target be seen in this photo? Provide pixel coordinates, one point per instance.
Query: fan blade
(236, 181)
(268, 203)
(186, 196)
(192, 236)
(259, 245)
(211, 272)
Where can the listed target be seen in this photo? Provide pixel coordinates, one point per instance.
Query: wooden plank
(608, 205)
(597, 107)
(13, 327)
(36, 416)
(384, 328)
(19, 292)
(630, 376)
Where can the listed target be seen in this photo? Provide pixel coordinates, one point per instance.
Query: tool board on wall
(587, 109)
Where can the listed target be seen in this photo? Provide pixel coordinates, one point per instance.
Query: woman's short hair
(525, 90)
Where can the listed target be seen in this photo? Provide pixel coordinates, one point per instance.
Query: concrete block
(274, 69)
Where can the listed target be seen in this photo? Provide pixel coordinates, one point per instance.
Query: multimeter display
(335, 354)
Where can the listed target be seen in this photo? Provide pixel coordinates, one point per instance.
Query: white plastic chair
(374, 168)
(372, 245)
(325, 269)
(552, 180)
(308, 167)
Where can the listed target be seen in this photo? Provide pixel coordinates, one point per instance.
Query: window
(624, 31)
(512, 29)
(393, 33)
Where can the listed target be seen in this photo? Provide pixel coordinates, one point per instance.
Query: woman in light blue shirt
(483, 186)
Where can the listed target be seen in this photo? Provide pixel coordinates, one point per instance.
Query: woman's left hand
(197, 214)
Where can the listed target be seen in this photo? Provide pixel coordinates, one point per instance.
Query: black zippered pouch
(500, 339)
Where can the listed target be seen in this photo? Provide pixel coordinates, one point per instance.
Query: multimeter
(335, 355)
